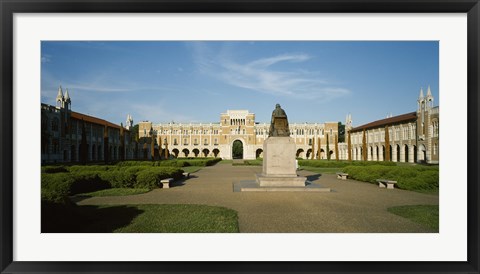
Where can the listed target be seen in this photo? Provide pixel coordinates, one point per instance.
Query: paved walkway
(352, 206)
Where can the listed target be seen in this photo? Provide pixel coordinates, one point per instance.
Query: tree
(336, 147)
(364, 146)
(328, 149)
(237, 149)
(341, 132)
(387, 144)
(349, 147)
(313, 148)
(319, 149)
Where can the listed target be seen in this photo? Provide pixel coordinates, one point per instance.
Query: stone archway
(175, 152)
(259, 153)
(205, 152)
(196, 152)
(300, 153)
(185, 152)
(215, 152)
(237, 149)
(406, 153)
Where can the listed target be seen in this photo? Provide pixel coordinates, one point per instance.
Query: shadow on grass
(86, 219)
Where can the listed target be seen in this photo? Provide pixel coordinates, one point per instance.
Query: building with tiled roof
(69, 136)
(72, 137)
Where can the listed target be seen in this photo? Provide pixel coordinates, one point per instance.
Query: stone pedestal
(279, 169)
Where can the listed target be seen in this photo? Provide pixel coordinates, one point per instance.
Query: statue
(279, 123)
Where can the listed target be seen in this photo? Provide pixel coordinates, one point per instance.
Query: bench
(186, 174)
(341, 175)
(166, 182)
(386, 183)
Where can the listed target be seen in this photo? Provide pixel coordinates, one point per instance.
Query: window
(175, 142)
(215, 141)
(55, 124)
(45, 123)
(195, 142)
(185, 142)
(205, 142)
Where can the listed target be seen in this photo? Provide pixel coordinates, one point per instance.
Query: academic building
(69, 136)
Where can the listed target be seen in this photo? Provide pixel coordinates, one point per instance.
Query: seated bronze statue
(279, 123)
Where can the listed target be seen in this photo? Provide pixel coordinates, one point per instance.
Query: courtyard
(351, 207)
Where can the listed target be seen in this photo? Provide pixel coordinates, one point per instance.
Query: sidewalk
(352, 206)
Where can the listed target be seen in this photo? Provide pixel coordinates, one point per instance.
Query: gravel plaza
(350, 207)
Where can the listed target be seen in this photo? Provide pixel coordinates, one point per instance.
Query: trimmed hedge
(326, 163)
(88, 181)
(172, 163)
(416, 178)
(56, 187)
(150, 178)
(135, 163)
(53, 169)
(76, 169)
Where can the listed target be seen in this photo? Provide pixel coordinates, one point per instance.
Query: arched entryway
(406, 153)
(215, 152)
(205, 152)
(196, 152)
(422, 157)
(299, 153)
(237, 149)
(415, 154)
(259, 153)
(175, 152)
(185, 152)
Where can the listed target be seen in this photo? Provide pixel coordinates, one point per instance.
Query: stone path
(352, 206)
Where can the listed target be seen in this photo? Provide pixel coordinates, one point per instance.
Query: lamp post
(152, 144)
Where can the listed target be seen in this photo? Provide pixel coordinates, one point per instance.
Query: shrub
(53, 169)
(119, 178)
(76, 169)
(327, 164)
(87, 181)
(417, 178)
(189, 162)
(56, 187)
(174, 163)
(150, 178)
(135, 163)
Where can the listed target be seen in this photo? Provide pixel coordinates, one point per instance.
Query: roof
(387, 121)
(93, 120)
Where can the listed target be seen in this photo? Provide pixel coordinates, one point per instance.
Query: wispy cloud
(46, 58)
(280, 75)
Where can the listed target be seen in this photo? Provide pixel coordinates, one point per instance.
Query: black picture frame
(9, 7)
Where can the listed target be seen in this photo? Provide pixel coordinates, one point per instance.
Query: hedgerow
(327, 164)
(150, 178)
(416, 178)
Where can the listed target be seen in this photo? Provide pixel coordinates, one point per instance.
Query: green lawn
(161, 218)
(423, 214)
(115, 192)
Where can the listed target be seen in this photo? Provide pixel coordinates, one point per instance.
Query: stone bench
(386, 183)
(166, 182)
(186, 174)
(341, 175)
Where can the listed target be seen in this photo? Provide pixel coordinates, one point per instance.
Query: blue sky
(195, 81)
